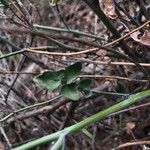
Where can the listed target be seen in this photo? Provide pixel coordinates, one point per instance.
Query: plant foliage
(66, 79)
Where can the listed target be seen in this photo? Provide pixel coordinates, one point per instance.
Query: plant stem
(27, 108)
(68, 31)
(12, 54)
(92, 119)
(94, 5)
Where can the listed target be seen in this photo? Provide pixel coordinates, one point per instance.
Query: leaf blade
(49, 79)
(72, 71)
(85, 86)
(70, 91)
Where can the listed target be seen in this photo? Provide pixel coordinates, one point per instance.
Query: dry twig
(133, 143)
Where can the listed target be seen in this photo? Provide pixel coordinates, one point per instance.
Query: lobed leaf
(49, 79)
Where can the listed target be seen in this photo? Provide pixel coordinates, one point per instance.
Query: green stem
(61, 45)
(92, 119)
(12, 54)
(68, 31)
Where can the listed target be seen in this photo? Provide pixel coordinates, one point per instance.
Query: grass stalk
(86, 122)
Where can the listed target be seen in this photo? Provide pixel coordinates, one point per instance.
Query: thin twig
(88, 50)
(5, 136)
(130, 109)
(59, 53)
(132, 144)
(85, 76)
(113, 77)
(47, 34)
(27, 108)
(18, 50)
(4, 72)
(12, 54)
(128, 34)
(38, 49)
(43, 110)
(68, 31)
(97, 62)
(14, 81)
(40, 111)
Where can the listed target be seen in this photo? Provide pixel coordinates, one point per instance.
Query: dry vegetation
(117, 67)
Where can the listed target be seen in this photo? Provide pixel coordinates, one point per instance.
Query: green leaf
(49, 79)
(71, 72)
(70, 91)
(87, 93)
(85, 86)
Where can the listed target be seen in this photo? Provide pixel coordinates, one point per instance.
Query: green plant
(66, 79)
(59, 136)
